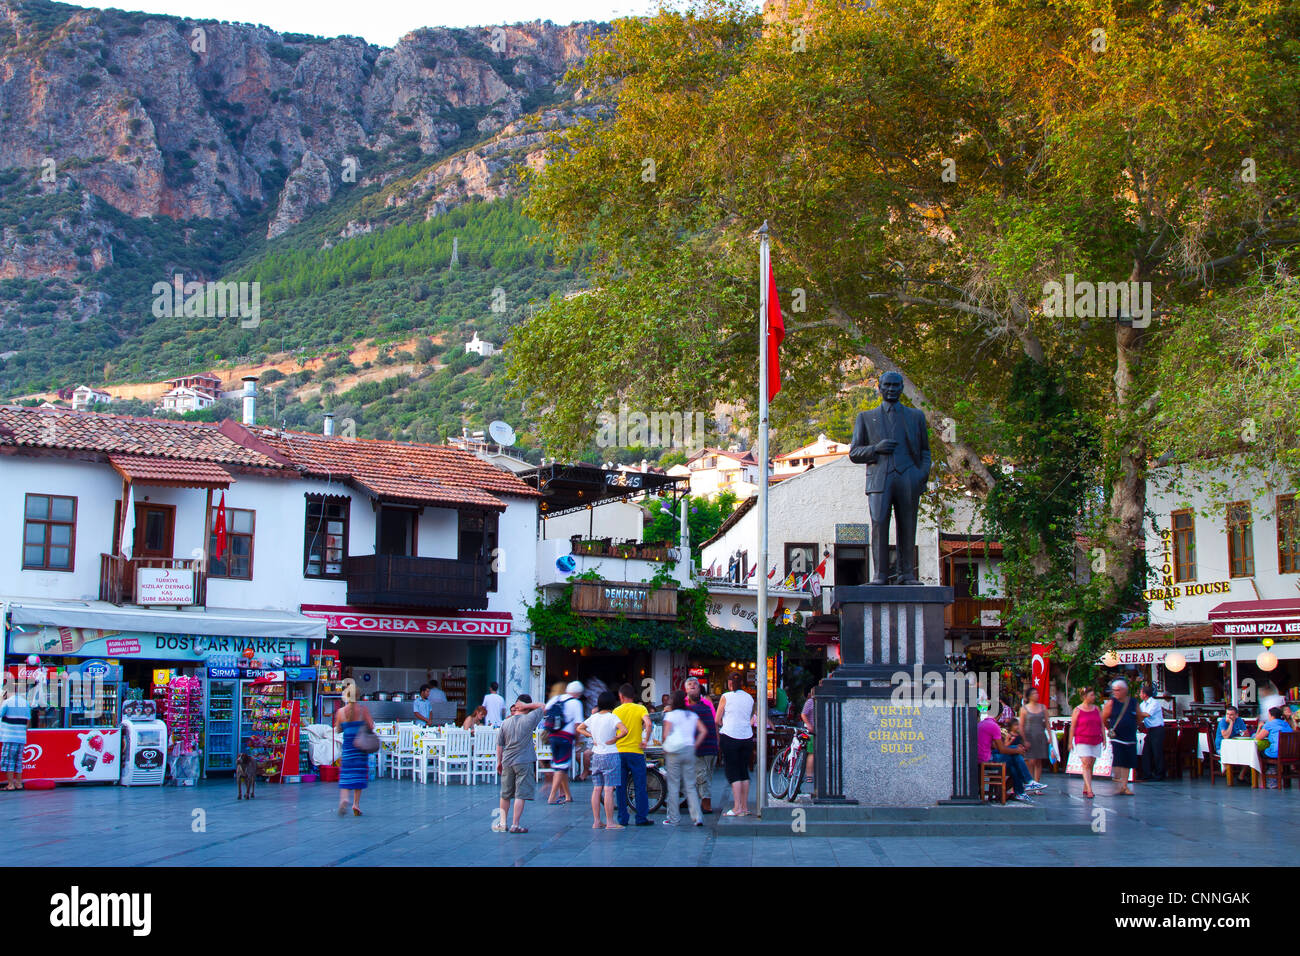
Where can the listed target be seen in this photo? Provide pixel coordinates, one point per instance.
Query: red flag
(1040, 667)
(775, 336)
(219, 529)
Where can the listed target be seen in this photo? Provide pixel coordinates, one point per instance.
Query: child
(604, 729)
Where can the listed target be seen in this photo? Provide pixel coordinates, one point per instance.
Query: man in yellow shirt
(631, 754)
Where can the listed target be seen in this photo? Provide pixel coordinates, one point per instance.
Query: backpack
(554, 720)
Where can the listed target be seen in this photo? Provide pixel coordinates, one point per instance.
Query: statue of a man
(893, 442)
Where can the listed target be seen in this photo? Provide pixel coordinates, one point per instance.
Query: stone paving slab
(1177, 823)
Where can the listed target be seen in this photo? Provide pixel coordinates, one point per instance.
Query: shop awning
(170, 472)
(422, 491)
(205, 622)
(1278, 619)
(574, 486)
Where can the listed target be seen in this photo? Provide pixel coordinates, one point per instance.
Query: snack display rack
(183, 714)
(266, 715)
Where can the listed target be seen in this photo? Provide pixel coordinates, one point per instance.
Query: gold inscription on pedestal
(894, 729)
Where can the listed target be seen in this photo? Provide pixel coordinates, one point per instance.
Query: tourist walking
(15, 716)
(1086, 736)
(736, 721)
(1153, 721)
(1033, 725)
(604, 729)
(1120, 717)
(631, 755)
(354, 766)
(495, 705)
(516, 761)
(706, 754)
(683, 732)
(562, 719)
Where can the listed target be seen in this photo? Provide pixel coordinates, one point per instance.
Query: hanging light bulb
(1175, 662)
(1110, 659)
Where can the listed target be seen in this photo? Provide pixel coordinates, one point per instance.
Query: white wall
(1207, 490)
(615, 519)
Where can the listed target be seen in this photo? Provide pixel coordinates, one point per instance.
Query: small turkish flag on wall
(219, 529)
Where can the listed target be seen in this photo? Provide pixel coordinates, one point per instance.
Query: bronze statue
(893, 442)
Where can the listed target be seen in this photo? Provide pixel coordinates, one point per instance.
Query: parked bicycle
(785, 776)
(656, 783)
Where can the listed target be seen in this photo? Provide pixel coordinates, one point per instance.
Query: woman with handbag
(359, 742)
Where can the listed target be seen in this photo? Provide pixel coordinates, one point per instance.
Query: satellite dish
(501, 433)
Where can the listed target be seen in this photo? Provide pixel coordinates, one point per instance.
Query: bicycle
(656, 784)
(785, 776)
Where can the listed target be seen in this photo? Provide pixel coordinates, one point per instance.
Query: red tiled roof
(427, 492)
(64, 429)
(441, 465)
(194, 474)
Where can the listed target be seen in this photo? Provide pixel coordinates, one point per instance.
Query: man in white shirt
(1153, 722)
(495, 705)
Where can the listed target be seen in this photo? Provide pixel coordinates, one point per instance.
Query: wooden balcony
(966, 613)
(399, 581)
(117, 577)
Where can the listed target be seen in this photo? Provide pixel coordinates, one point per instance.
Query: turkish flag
(1040, 668)
(219, 529)
(775, 336)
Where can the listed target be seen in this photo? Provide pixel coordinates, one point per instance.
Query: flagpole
(764, 266)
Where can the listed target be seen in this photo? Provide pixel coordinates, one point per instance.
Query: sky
(382, 22)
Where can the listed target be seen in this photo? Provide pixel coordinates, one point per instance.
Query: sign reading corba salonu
(490, 624)
(164, 586)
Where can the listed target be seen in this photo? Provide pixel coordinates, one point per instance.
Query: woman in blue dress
(354, 768)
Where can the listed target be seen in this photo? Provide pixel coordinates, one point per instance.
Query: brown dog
(245, 776)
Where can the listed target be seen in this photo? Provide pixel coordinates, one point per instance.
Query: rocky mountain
(133, 146)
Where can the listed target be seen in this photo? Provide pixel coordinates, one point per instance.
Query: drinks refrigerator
(222, 726)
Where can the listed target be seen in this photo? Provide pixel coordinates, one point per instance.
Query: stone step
(955, 820)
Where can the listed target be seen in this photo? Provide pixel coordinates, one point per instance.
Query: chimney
(329, 425)
(250, 400)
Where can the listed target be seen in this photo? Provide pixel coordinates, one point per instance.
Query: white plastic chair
(485, 753)
(456, 759)
(542, 744)
(427, 744)
(403, 756)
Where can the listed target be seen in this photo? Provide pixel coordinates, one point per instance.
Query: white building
(184, 398)
(714, 471)
(418, 559)
(83, 396)
(480, 347)
(1223, 552)
(821, 452)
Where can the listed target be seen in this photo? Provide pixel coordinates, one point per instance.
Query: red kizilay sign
(494, 624)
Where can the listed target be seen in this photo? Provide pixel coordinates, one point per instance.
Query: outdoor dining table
(1241, 752)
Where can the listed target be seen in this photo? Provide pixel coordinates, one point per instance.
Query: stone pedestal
(886, 735)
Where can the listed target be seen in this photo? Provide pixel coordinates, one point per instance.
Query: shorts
(518, 782)
(604, 770)
(735, 757)
(1088, 750)
(561, 751)
(1125, 755)
(11, 758)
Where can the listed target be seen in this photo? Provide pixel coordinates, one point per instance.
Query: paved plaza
(411, 824)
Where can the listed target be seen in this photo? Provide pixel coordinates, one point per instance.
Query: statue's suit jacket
(912, 450)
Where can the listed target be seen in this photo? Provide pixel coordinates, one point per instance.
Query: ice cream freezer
(144, 745)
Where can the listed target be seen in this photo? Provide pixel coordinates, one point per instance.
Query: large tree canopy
(928, 170)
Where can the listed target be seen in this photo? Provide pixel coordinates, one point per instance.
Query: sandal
(615, 826)
(356, 811)
(519, 829)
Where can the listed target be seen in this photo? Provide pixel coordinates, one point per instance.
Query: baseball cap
(575, 687)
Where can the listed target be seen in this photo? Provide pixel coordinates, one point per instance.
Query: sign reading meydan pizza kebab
(164, 586)
(1168, 592)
